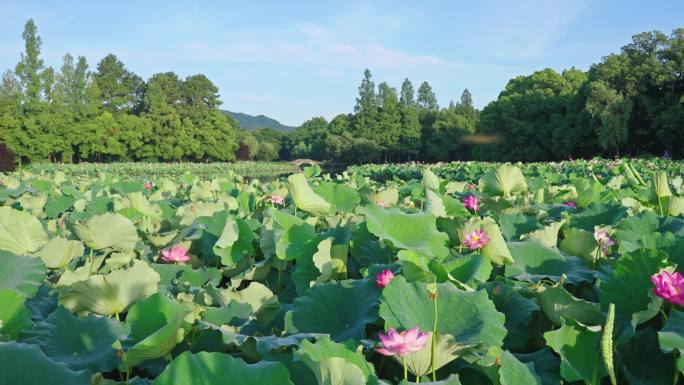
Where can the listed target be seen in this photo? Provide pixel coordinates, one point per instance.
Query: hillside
(252, 122)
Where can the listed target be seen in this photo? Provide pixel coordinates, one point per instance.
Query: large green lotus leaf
(305, 198)
(643, 363)
(342, 196)
(312, 354)
(454, 207)
(318, 310)
(227, 237)
(430, 180)
(435, 204)
(204, 190)
(24, 364)
(265, 305)
(323, 260)
(598, 214)
(514, 372)
(671, 336)
(629, 286)
(579, 243)
(659, 185)
(496, 249)
(200, 277)
(534, 261)
(58, 205)
(469, 317)
(336, 371)
(218, 368)
(415, 232)
(140, 203)
(557, 303)
(151, 314)
(112, 293)
(58, 252)
(546, 365)
(390, 196)
(579, 349)
(676, 206)
(43, 303)
(79, 343)
(547, 235)
(469, 269)
(642, 231)
(234, 314)
(518, 311)
(108, 231)
(158, 344)
(191, 211)
(14, 316)
(514, 224)
(503, 181)
(21, 273)
(128, 187)
(20, 232)
(294, 238)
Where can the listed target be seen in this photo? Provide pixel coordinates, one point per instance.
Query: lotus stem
(90, 261)
(279, 281)
(434, 338)
(594, 374)
(660, 203)
(405, 368)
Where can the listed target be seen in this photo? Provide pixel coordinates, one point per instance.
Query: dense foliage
(539, 274)
(174, 170)
(629, 103)
(109, 114)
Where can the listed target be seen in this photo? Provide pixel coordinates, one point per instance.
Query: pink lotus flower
(603, 240)
(669, 286)
(149, 186)
(176, 253)
(470, 202)
(383, 279)
(570, 204)
(278, 200)
(382, 204)
(408, 341)
(476, 240)
(472, 187)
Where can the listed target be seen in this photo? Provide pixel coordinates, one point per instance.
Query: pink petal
(384, 352)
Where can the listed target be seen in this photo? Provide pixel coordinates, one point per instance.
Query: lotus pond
(461, 273)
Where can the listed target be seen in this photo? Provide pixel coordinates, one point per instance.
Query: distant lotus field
(260, 274)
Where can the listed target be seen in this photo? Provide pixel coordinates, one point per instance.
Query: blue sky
(292, 60)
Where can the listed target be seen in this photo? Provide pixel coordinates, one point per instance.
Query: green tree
(410, 132)
(612, 110)
(389, 119)
(426, 98)
(120, 89)
(366, 108)
(30, 68)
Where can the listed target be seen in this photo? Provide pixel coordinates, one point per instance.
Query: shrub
(7, 159)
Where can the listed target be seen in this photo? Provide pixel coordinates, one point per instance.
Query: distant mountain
(251, 122)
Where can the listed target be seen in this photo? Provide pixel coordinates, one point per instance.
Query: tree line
(109, 114)
(630, 103)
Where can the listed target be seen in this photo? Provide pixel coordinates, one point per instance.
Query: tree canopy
(629, 103)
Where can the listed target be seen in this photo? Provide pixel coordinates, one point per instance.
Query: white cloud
(306, 43)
